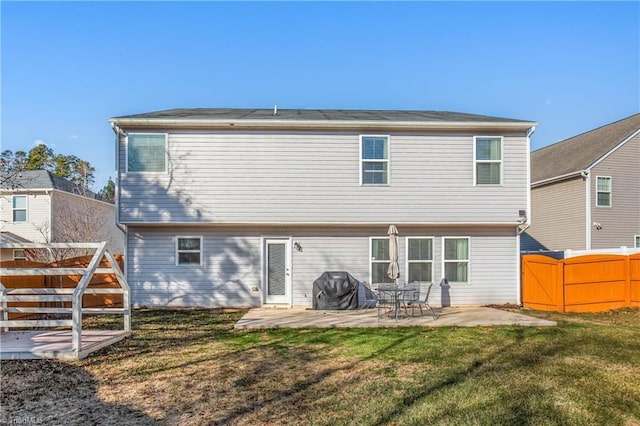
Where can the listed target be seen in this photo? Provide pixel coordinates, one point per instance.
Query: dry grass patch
(190, 367)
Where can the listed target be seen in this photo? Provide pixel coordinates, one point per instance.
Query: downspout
(524, 225)
(587, 177)
(121, 227)
(117, 132)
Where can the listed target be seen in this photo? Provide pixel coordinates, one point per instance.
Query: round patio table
(396, 294)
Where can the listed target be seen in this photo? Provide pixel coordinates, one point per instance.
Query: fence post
(5, 314)
(627, 280)
(559, 281)
(76, 314)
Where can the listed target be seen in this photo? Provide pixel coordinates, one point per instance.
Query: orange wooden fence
(591, 283)
(69, 281)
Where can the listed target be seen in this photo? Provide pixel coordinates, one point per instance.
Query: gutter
(318, 125)
(558, 178)
(117, 130)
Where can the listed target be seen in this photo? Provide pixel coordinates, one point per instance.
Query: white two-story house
(41, 207)
(247, 207)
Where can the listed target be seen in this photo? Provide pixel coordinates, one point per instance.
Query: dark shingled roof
(316, 115)
(43, 179)
(580, 152)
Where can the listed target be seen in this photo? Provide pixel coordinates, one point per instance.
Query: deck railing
(68, 295)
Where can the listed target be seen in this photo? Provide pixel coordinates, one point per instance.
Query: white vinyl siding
(455, 258)
(188, 250)
(419, 255)
(284, 177)
(146, 152)
(231, 271)
(19, 208)
(379, 257)
(604, 186)
(488, 160)
(374, 160)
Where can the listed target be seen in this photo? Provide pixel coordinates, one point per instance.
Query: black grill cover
(335, 291)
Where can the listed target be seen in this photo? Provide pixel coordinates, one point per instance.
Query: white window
(603, 191)
(19, 254)
(488, 160)
(19, 208)
(455, 258)
(146, 152)
(188, 250)
(637, 241)
(374, 160)
(379, 261)
(419, 259)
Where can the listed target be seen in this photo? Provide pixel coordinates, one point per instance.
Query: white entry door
(277, 270)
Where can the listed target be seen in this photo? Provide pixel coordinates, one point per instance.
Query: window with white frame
(637, 241)
(188, 250)
(374, 160)
(146, 152)
(488, 160)
(380, 261)
(603, 191)
(19, 254)
(19, 208)
(456, 259)
(419, 259)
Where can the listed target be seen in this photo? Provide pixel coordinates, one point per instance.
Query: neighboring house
(42, 207)
(586, 190)
(245, 207)
(12, 254)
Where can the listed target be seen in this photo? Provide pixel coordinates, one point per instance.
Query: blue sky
(69, 66)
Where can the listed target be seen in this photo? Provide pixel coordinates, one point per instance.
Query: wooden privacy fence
(592, 283)
(92, 300)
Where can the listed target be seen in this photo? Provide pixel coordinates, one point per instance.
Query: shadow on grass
(291, 376)
(56, 393)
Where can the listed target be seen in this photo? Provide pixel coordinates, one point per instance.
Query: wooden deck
(54, 344)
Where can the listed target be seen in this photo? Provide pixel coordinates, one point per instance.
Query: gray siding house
(586, 190)
(247, 207)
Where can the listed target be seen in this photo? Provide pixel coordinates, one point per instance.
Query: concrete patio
(467, 316)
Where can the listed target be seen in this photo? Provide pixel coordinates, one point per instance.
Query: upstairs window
(420, 259)
(374, 160)
(637, 241)
(456, 259)
(146, 152)
(189, 250)
(19, 208)
(603, 196)
(380, 261)
(19, 254)
(488, 160)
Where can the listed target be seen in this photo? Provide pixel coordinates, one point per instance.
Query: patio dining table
(396, 295)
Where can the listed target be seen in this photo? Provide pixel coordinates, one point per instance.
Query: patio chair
(423, 302)
(409, 297)
(386, 303)
(367, 298)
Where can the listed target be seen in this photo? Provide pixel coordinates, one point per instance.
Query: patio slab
(467, 316)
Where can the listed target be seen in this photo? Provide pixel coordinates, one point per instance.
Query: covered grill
(335, 291)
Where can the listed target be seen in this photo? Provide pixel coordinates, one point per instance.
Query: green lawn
(190, 367)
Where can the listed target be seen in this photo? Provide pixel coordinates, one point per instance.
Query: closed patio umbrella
(394, 270)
